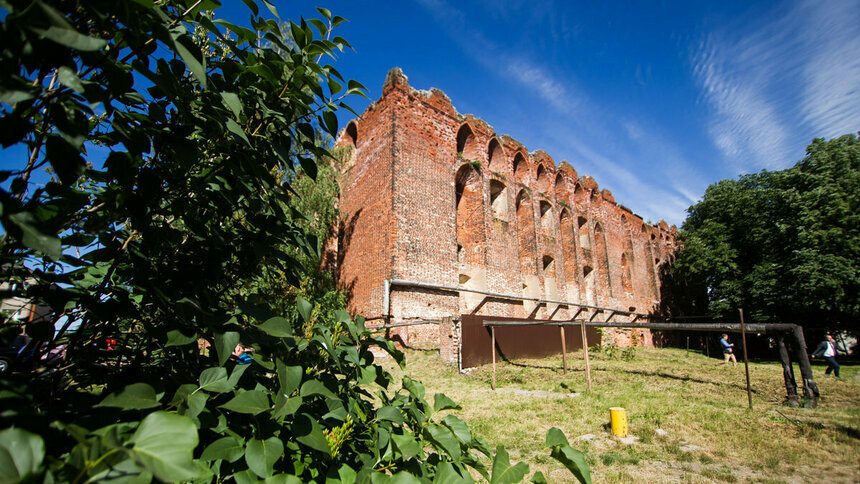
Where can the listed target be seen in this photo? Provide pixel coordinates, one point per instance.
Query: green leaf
(164, 444)
(407, 445)
(215, 380)
(261, 455)
(134, 396)
(554, 437)
(234, 128)
(413, 386)
(33, 238)
(304, 307)
(389, 413)
(231, 101)
(228, 448)
(444, 438)
(69, 78)
(308, 432)
(176, 338)
(225, 343)
(21, 454)
(574, 460)
(538, 478)
(190, 53)
(277, 327)
(504, 472)
(71, 38)
(442, 402)
(447, 473)
(250, 402)
(459, 427)
(286, 407)
(289, 377)
(316, 387)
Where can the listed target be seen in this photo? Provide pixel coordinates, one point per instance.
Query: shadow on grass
(558, 369)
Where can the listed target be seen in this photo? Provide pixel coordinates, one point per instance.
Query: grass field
(711, 435)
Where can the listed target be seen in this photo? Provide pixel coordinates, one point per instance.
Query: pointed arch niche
(604, 284)
(568, 253)
(527, 245)
(496, 158)
(467, 146)
(499, 200)
(471, 240)
(520, 168)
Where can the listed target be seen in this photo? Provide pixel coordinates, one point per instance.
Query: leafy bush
(171, 140)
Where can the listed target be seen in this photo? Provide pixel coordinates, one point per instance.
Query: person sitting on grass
(828, 349)
(728, 351)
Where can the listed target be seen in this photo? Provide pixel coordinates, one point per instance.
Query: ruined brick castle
(432, 201)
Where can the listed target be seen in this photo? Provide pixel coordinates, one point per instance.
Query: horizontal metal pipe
(729, 327)
(399, 325)
(428, 285)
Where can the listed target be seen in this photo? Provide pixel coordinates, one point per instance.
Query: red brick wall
(424, 180)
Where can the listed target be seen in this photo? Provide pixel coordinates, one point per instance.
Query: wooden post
(585, 349)
(493, 337)
(746, 362)
(563, 351)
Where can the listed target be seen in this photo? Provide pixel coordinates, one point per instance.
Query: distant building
(434, 197)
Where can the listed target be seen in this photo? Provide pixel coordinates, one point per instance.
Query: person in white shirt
(828, 349)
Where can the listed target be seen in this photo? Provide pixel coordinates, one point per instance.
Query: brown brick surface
(433, 196)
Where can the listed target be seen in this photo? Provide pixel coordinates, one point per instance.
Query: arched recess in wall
(520, 168)
(562, 192)
(584, 232)
(628, 258)
(568, 254)
(496, 157)
(467, 146)
(352, 133)
(550, 278)
(650, 269)
(546, 219)
(542, 179)
(579, 196)
(604, 282)
(527, 245)
(471, 241)
(499, 200)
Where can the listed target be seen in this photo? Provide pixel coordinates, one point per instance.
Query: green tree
(784, 245)
(172, 139)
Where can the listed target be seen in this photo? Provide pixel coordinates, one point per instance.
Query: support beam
(787, 371)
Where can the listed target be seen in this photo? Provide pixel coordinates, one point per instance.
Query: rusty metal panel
(516, 341)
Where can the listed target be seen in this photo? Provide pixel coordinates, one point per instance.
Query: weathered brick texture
(434, 196)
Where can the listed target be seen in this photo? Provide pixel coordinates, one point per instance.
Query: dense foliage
(784, 245)
(171, 140)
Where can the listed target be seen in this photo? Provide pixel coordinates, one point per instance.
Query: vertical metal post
(493, 337)
(746, 361)
(563, 350)
(585, 350)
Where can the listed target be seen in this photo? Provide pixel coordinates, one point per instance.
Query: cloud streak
(776, 86)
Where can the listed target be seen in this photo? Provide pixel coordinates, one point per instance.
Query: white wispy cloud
(579, 129)
(777, 85)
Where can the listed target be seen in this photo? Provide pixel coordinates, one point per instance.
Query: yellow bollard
(618, 420)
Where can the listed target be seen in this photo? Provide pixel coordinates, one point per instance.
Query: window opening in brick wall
(604, 284)
(499, 200)
(520, 168)
(466, 145)
(527, 245)
(496, 157)
(561, 191)
(584, 233)
(541, 179)
(588, 284)
(626, 281)
(352, 133)
(546, 219)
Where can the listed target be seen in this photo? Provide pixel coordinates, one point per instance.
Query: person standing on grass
(728, 351)
(828, 349)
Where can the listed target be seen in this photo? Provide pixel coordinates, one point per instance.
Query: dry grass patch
(685, 394)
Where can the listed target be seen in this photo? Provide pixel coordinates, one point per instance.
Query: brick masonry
(434, 196)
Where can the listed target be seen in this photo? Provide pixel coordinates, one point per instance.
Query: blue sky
(655, 100)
